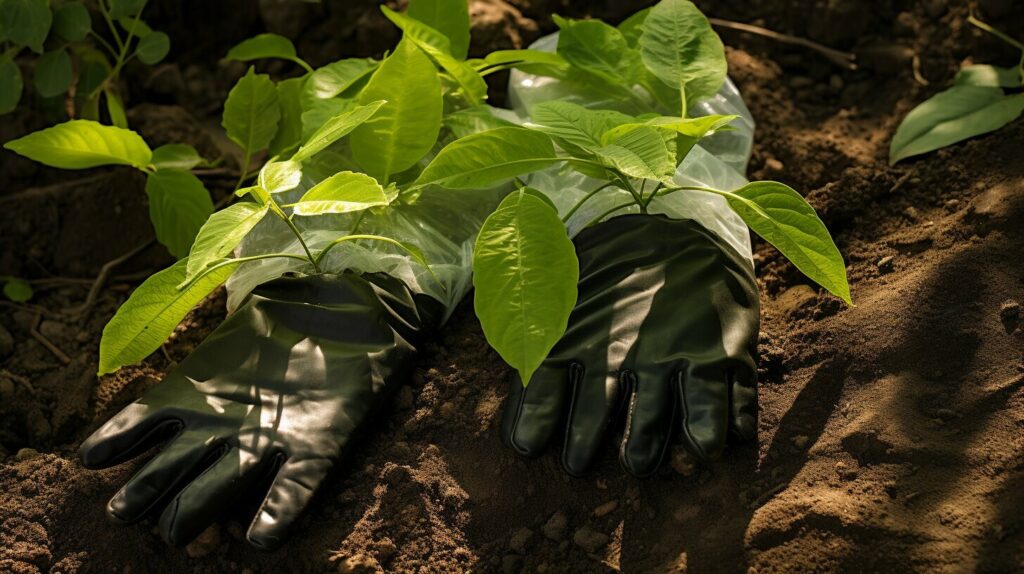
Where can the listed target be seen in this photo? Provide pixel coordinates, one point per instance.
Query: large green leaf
(266, 46)
(439, 48)
(485, 159)
(450, 17)
(992, 76)
(280, 176)
(221, 233)
(26, 22)
(153, 48)
(343, 192)
(783, 218)
(645, 152)
(574, 126)
(524, 273)
(679, 47)
(476, 119)
(71, 21)
(11, 86)
(152, 312)
(633, 26)
(81, 144)
(319, 112)
(956, 114)
(178, 207)
(598, 48)
(405, 128)
(289, 129)
(338, 127)
(527, 60)
(53, 73)
(251, 112)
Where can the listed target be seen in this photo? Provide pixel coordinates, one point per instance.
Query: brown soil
(891, 433)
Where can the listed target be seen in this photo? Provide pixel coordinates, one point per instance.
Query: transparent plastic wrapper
(441, 223)
(718, 161)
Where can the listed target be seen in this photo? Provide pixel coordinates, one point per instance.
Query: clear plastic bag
(718, 161)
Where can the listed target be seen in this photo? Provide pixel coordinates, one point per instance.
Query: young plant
(63, 37)
(525, 268)
(16, 289)
(978, 103)
(350, 137)
(178, 201)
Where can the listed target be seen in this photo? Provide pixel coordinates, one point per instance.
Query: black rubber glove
(664, 332)
(275, 393)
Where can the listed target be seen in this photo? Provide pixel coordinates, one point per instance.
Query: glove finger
(291, 491)
(185, 457)
(649, 422)
(704, 402)
(207, 497)
(595, 396)
(743, 419)
(532, 414)
(129, 433)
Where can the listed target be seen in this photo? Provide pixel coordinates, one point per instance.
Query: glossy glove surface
(663, 334)
(273, 396)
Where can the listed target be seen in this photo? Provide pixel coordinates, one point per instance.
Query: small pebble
(1009, 310)
(26, 454)
(800, 441)
(590, 540)
(885, 264)
(555, 528)
(205, 543)
(606, 508)
(358, 564)
(519, 541)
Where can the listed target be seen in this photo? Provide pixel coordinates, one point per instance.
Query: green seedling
(63, 38)
(16, 289)
(983, 99)
(350, 137)
(525, 269)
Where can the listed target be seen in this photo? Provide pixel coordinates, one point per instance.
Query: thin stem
(839, 58)
(216, 266)
(668, 190)
(104, 43)
(579, 204)
(653, 194)
(632, 191)
(243, 175)
(359, 221)
(609, 212)
(298, 235)
(997, 33)
(110, 24)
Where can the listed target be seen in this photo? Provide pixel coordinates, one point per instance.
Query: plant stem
(609, 212)
(997, 33)
(110, 24)
(632, 191)
(216, 266)
(298, 235)
(243, 175)
(579, 204)
(104, 43)
(653, 194)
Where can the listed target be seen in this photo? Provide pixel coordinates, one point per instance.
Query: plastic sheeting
(717, 162)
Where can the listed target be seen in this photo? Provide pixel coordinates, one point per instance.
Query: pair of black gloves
(663, 337)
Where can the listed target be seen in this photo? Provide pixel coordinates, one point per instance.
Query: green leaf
(17, 290)
(954, 115)
(575, 127)
(220, 235)
(71, 21)
(679, 47)
(689, 130)
(176, 156)
(524, 273)
(153, 48)
(632, 27)
(115, 109)
(438, 47)
(280, 176)
(81, 144)
(337, 78)
(344, 192)
(289, 130)
(449, 17)
(473, 120)
(783, 218)
(251, 112)
(599, 49)
(405, 128)
(338, 127)
(152, 312)
(319, 112)
(485, 159)
(644, 152)
(53, 73)
(26, 22)
(529, 61)
(178, 207)
(991, 76)
(11, 86)
(124, 8)
(266, 46)
(134, 26)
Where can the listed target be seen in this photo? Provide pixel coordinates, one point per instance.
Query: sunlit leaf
(81, 144)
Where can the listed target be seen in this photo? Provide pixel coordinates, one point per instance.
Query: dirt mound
(891, 433)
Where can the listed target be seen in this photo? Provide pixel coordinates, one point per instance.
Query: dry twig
(101, 279)
(838, 57)
(34, 331)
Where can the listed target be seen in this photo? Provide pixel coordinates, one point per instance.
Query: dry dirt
(891, 433)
